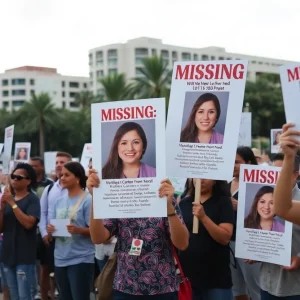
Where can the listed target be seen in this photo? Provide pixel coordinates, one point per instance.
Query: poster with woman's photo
(86, 155)
(7, 152)
(204, 118)
(128, 139)
(290, 85)
(22, 152)
(261, 235)
(275, 135)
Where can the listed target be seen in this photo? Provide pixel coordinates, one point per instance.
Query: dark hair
(64, 154)
(30, 174)
(39, 159)
(114, 166)
(253, 218)
(220, 189)
(277, 133)
(91, 159)
(77, 169)
(190, 131)
(247, 155)
(19, 150)
(280, 156)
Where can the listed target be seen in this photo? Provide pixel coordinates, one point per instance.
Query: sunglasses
(17, 177)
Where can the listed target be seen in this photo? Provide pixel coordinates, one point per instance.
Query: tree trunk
(42, 138)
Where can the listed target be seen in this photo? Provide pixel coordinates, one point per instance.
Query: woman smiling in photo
(128, 147)
(202, 120)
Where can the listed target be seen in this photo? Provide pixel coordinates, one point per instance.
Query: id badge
(136, 247)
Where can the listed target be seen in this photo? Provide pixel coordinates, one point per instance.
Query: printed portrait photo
(259, 209)
(275, 136)
(204, 117)
(128, 149)
(21, 154)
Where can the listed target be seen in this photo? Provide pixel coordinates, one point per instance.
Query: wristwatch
(14, 206)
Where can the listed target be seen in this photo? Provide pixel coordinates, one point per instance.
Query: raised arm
(284, 207)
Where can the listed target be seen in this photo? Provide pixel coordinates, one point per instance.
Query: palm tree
(116, 88)
(84, 99)
(156, 78)
(37, 114)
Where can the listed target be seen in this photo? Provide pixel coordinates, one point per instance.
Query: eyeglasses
(17, 177)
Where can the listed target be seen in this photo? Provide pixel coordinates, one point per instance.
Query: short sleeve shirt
(154, 271)
(206, 262)
(19, 243)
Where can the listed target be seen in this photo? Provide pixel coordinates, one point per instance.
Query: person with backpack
(50, 194)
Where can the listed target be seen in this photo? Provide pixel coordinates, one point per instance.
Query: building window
(31, 81)
(18, 92)
(141, 52)
(73, 84)
(229, 58)
(221, 58)
(138, 71)
(63, 84)
(72, 94)
(32, 92)
(17, 103)
(85, 85)
(204, 57)
(99, 55)
(174, 55)
(112, 71)
(138, 61)
(196, 57)
(186, 56)
(213, 58)
(112, 62)
(99, 64)
(64, 104)
(18, 81)
(73, 105)
(100, 74)
(165, 53)
(154, 52)
(4, 82)
(112, 53)
(5, 104)
(5, 93)
(63, 94)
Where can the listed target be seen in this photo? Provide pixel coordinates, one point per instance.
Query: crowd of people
(31, 204)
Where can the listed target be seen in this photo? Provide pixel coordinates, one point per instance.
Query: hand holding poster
(22, 152)
(290, 85)
(275, 135)
(204, 118)
(8, 141)
(261, 236)
(128, 140)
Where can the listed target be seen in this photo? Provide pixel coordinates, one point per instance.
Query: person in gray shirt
(279, 282)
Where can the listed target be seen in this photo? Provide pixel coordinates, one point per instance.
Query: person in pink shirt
(261, 215)
(202, 120)
(128, 147)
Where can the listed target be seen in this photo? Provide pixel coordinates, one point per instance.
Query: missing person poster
(86, 155)
(8, 142)
(275, 136)
(245, 134)
(22, 152)
(204, 118)
(290, 85)
(128, 140)
(261, 236)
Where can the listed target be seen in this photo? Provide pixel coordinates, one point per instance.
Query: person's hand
(50, 229)
(295, 264)
(250, 261)
(287, 140)
(73, 229)
(92, 181)
(46, 240)
(7, 197)
(198, 211)
(166, 189)
(234, 203)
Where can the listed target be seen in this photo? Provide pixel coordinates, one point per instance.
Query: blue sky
(59, 33)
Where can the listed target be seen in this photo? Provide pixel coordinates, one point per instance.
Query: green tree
(36, 115)
(116, 88)
(84, 99)
(155, 80)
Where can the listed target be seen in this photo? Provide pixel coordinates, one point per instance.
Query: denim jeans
(21, 281)
(213, 294)
(123, 296)
(266, 296)
(75, 282)
(101, 263)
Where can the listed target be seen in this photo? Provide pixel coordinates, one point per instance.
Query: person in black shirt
(206, 262)
(19, 215)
